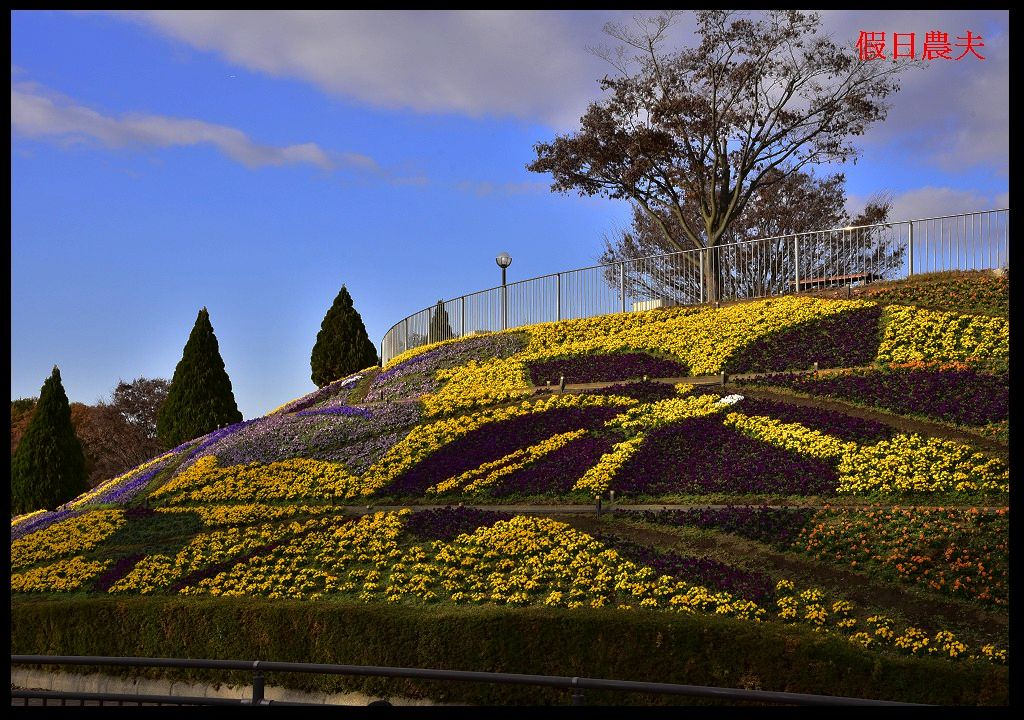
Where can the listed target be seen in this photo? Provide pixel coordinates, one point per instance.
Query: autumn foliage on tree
(48, 467)
(116, 435)
(693, 137)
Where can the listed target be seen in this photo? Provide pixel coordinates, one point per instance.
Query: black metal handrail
(258, 667)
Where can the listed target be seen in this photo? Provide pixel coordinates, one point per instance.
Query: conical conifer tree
(440, 325)
(48, 468)
(200, 399)
(342, 345)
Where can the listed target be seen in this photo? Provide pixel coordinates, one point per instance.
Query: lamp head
(503, 260)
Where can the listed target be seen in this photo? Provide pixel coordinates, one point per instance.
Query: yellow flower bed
(326, 559)
(156, 572)
(68, 536)
(912, 463)
(294, 479)
(649, 416)
(598, 478)
(62, 576)
(489, 473)
(791, 436)
(425, 439)
(703, 337)
(915, 334)
(477, 384)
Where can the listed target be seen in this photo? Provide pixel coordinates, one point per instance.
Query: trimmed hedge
(605, 643)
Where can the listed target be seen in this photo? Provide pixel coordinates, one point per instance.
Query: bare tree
(691, 137)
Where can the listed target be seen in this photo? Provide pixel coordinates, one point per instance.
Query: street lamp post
(504, 260)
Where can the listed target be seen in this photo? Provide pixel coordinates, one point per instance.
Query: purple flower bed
(843, 340)
(777, 527)
(556, 472)
(354, 440)
(494, 441)
(954, 393)
(830, 422)
(218, 435)
(127, 490)
(446, 523)
(339, 387)
(701, 455)
(705, 571)
(642, 391)
(43, 521)
(338, 410)
(415, 376)
(604, 368)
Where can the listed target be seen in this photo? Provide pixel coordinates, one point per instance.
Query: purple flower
(602, 368)
(954, 394)
(748, 584)
(43, 521)
(701, 456)
(338, 410)
(846, 339)
(448, 522)
(492, 442)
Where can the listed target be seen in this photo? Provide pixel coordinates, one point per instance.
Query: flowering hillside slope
(863, 499)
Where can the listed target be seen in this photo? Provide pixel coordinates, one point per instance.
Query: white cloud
(930, 201)
(531, 65)
(953, 113)
(535, 65)
(39, 113)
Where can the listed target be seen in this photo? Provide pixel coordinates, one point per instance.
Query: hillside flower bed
(72, 535)
(462, 462)
(482, 559)
(910, 463)
(953, 392)
(912, 334)
(337, 390)
(712, 573)
(959, 551)
(603, 368)
(777, 527)
(701, 455)
(827, 422)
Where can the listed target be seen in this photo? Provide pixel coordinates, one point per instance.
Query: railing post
(257, 684)
(504, 307)
(406, 343)
(796, 262)
(622, 284)
(910, 250)
(577, 692)
(558, 296)
(462, 325)
(702, 258)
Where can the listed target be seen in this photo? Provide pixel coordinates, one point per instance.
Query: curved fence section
(737, 271)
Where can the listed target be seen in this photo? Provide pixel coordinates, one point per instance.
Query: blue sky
(253, 163)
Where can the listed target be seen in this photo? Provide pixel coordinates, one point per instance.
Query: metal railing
(259, 668)
(737, 271)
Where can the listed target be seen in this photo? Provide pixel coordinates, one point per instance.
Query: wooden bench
(832, 280)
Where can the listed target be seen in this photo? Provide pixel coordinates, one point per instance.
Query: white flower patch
(729, 400)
